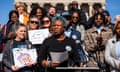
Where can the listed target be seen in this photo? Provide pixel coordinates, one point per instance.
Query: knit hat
(60, 18)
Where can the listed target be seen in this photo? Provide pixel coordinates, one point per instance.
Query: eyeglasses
(75, 17)
(34, 22)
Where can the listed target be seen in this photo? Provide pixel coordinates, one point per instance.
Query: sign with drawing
(22, 56)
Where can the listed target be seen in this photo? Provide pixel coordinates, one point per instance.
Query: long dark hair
(78, 16)
(34, 11)
(13, 11)
(10, 14)
(97, 14)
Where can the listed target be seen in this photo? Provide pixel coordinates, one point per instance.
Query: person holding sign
(33, 24)
(58, 49)
(17, 50)
(35, 36)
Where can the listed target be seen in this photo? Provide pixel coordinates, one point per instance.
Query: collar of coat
(103, 29)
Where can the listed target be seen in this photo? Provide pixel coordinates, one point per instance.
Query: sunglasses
(75, 17)
(45, 21)
(34, 22)
(98, 18)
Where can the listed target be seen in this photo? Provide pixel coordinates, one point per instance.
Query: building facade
(86, 5)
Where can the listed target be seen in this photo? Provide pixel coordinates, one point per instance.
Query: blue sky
(113, 7)
(7, 5)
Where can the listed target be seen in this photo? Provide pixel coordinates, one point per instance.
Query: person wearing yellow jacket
(22, 10)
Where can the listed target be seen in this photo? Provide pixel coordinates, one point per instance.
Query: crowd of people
(73, 41)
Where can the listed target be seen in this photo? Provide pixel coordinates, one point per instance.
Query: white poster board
(38, 36)
(22, 56)
(59, 57)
